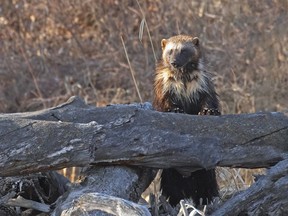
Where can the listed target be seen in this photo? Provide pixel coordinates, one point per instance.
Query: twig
(21, 202)
(183, 208)
(131, 70)
(6, 197)
(33, 76)
(143, 22)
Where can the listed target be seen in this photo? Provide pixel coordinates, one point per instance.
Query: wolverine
(183, 85)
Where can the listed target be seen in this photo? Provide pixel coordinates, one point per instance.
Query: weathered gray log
(121, 182)
(91, 203)
(32, 192)
(75, 134)
(68, 135)
(268, 196)
(105, 191)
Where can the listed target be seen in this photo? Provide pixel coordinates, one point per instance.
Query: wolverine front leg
(176, 108)
(165, 104)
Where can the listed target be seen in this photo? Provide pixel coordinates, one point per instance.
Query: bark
(135, 138)
(93, 203)
(107, 190)
(33, 193)
(268, 196)
(42, 190)
(75, 134)
(21, 202)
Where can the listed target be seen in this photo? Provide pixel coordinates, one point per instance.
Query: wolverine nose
(175, 64)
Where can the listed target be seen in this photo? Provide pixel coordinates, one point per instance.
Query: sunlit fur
(188, 86)
(186, 90)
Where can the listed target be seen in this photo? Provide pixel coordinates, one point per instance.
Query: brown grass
(51, 50)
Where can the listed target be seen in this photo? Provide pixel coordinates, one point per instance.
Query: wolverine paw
(176, 110)
(207, 111)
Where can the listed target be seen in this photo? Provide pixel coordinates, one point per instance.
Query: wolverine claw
(177, 110)
(207, 111)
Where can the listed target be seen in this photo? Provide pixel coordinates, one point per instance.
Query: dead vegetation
(51, 50)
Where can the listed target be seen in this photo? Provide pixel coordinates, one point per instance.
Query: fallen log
(75, 134)
(267, 196)
(125, 141)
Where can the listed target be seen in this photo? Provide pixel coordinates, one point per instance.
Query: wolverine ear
(195, 40)
(163, 43)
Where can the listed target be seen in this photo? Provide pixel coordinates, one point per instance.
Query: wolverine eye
(184, 51)
(193, 65)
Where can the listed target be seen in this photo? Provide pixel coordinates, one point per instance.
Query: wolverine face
(181, 53)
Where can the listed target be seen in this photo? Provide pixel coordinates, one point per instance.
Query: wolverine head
(181, 54)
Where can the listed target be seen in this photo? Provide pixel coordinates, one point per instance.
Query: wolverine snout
(178, 61)
(175, 64)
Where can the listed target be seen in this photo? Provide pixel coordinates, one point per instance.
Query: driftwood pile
(122, 146)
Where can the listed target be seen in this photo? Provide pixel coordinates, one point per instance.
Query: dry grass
(51, 50)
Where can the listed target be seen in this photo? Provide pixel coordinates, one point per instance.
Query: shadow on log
(131, 137)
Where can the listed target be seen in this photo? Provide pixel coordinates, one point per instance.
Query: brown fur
(183, 85)
(187, 86)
